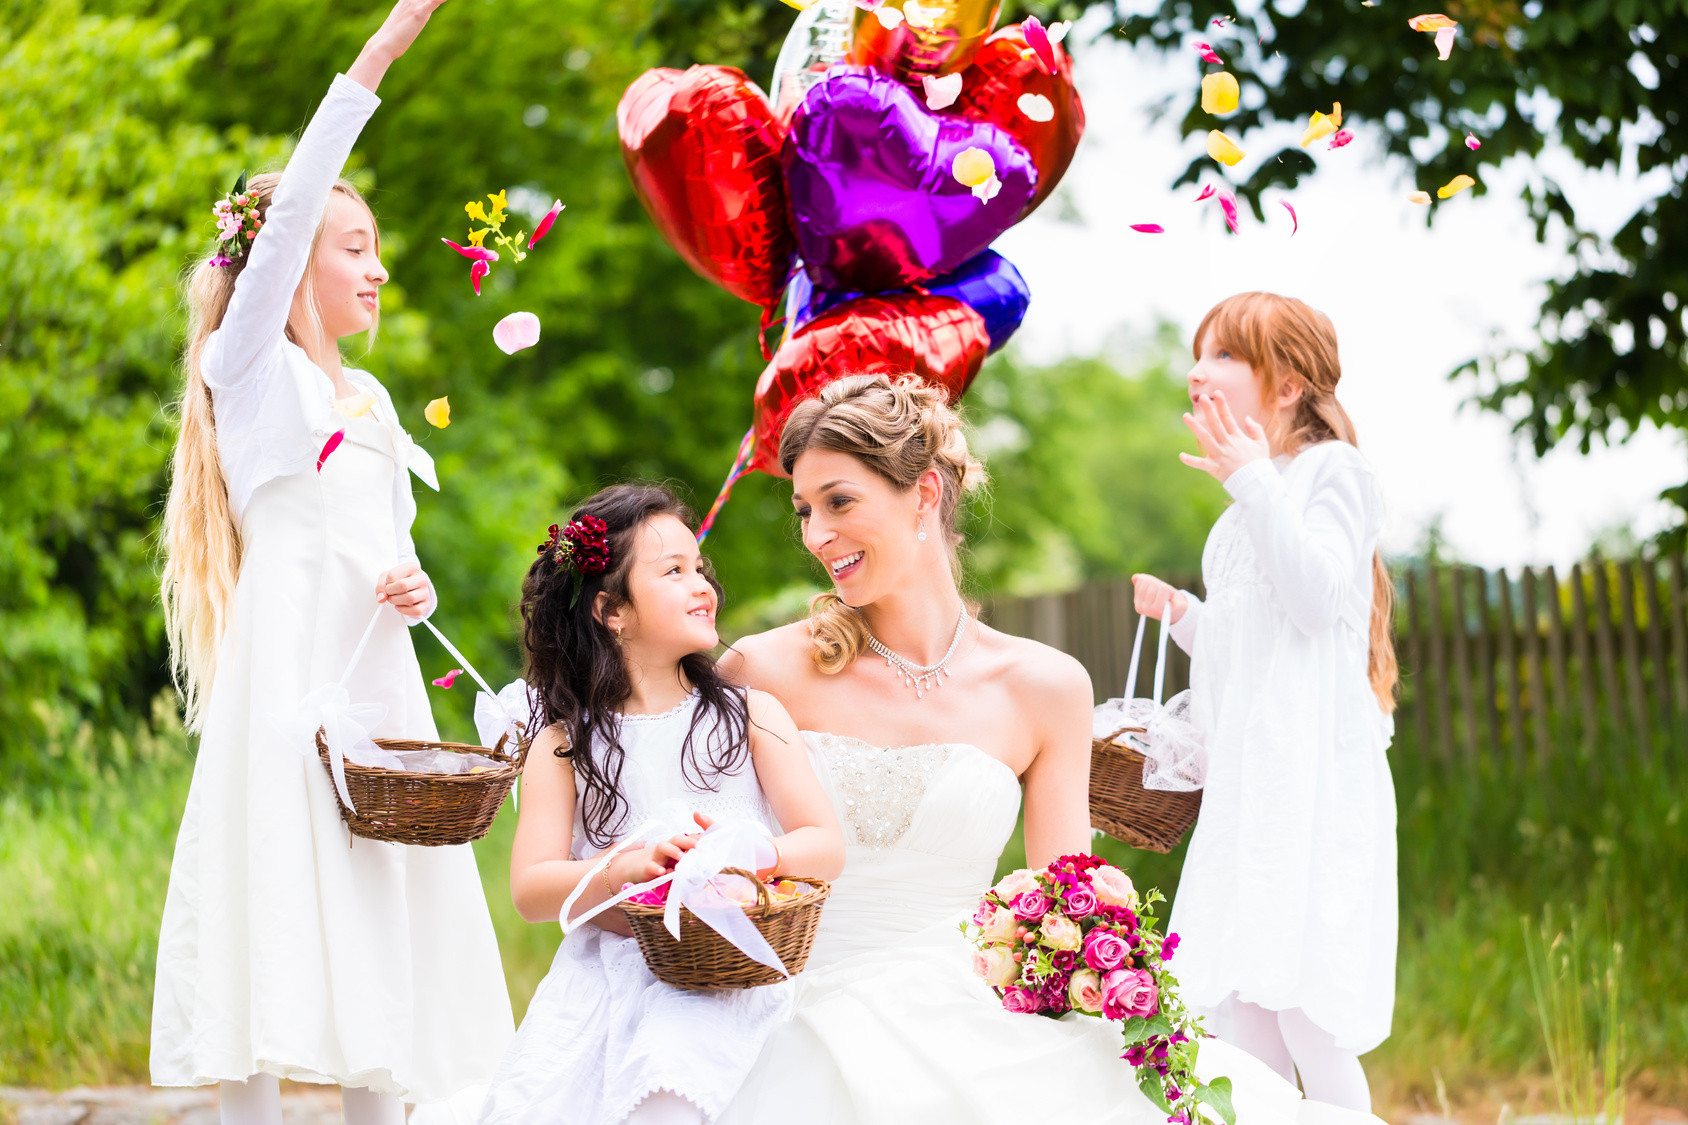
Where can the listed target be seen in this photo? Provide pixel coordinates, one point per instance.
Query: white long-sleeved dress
(1287, 897)
(288, 947)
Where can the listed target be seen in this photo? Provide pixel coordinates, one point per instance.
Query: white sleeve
(1310, 555)
(1183, 631)
(246, 344)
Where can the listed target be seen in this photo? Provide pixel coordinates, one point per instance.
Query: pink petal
(1207, 192)
(329, 446)
(1038, 40)
(1445, 42)
(1148, 228)
(1228, 203)
(544, 226)
(517, 331)
(476, 272)
(1221, 21)
(448, 679)
(1340, 138)
(1472, 142)
(1206, 52)
(478, 253)
(1292, 217)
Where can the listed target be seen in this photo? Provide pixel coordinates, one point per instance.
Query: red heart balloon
(939, 339)
(702, 148)
(991, 87)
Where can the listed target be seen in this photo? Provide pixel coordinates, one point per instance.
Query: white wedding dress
(888, 1023)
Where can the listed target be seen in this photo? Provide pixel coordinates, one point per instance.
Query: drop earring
(921, 536)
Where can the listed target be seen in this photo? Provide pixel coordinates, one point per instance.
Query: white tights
(664, 1108)
(257, 1101)
(1290, 1043)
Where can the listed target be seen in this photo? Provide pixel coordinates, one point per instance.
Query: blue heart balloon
(988, 283)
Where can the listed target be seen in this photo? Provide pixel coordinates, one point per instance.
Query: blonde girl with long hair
(1286, 906)
(287, 949)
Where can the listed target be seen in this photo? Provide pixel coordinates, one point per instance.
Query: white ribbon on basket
(1175, 757)
(740, 843)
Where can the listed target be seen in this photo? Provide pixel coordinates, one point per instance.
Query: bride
(931, 732)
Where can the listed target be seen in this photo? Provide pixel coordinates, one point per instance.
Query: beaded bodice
(878, 789)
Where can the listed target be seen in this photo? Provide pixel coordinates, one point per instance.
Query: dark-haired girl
(618, 618)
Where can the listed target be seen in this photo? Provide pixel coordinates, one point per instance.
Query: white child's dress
(602, 1033)
(1287, 897)
(288, 947)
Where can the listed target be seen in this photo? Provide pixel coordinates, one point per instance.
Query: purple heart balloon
(873, 201)
(988, 284)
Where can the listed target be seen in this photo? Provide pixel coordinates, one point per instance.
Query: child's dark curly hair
(577, 676)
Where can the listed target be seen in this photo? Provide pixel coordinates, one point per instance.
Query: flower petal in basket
(741, 844)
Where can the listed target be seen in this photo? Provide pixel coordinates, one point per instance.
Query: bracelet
(609, 892)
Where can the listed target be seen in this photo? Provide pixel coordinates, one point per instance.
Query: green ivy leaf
(1218, 1095)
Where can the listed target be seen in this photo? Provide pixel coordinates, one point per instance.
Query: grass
(1485, 851)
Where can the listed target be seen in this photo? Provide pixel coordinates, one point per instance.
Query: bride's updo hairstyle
(898, 427)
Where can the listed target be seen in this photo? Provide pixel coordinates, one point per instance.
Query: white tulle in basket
(1174, 758)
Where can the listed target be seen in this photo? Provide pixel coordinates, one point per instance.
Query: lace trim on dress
(690, 699)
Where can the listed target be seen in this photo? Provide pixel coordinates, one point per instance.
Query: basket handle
(1137, 655)
(763, 898)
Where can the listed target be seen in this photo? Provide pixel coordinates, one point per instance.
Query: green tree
(1599, 79)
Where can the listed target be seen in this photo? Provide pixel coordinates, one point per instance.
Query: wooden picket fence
(1524, 664)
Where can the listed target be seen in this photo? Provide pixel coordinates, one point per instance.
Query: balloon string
(770, 317)
(740, 467)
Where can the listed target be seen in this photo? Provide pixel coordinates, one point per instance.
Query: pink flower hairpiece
(238, 223)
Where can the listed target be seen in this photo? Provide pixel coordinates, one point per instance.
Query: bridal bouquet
(1075, 937)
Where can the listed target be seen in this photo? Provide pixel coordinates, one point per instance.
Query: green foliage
(1602, 80)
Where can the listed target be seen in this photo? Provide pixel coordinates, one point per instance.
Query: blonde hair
(1288, 342)
(202, 548)
(899, 428)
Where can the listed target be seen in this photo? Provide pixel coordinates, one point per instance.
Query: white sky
(1410, 304)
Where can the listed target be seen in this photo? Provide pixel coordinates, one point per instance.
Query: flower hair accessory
(583, 545)
(237, 223)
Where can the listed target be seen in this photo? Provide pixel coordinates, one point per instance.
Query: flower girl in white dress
(618, 620)
(287, 949)
(1286, 905)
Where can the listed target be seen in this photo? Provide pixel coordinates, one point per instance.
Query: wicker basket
(1153, 819)
(402, 807)
(703, 959)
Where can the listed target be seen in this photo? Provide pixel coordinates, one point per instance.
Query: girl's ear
(1289, 393)
(610, 621)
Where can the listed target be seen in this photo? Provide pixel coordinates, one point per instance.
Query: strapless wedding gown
(888, 1023)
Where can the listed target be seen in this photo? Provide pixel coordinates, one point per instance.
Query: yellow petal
(1336, 114)
(438, 413)
(1223, 148)
(1419, 197)
(476, 212)
(1317, 126)
(801, 5)
(355, 406)
(1455, 186)
(973, 166)
(1432, 21)
(498, 205)
(478, 237)
(1219, 92)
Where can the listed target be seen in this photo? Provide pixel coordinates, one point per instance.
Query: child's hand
(402, 25)
(1153, 597)
(1226, 445)
(407, 588)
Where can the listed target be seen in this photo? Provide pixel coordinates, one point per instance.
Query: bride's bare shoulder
(1035, 670)
(764, 660)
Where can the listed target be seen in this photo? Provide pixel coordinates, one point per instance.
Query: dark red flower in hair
(589, 546)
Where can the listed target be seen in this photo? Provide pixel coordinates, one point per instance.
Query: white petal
(1037, 107)
(1058, 31)
(517, 331)
(987, 190)
(942, 92)
(888, 18)
(921, 16)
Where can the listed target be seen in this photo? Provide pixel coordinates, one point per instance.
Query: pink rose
(1129, 992)
(1113, 886)
(1016, 883)
(983, 915)
(1080, 902)
(995, 966)
(1001, 926)
(1031, 905)
(1084, 992)
(1060, 932)
(1104, 950)
(1019, 999)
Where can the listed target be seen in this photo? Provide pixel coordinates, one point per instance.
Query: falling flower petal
(544, 226)
(475, 210)
(973, 166)
(329, 446)
(986, 191)
(1221, 21)
(1038, 40)
(1036, 106)
(1058, 30)
(355, 406)
(869, 5)
(1419, 197)
(478, 253)
(1318, 126)
(1340, 138)
(1433, 21)
(941, 92)
(517, 331)
(1207, 193)
(1472, 142)
(1223, 148)
(1445, 42)
(438, 413)
(1455, 186)
(450, 677)
(1295, 221)
(476, 272)
(1148, 228)
(1219, 92)
(888, 17)
(1228, 204)
(920, 16)
(1206, 52)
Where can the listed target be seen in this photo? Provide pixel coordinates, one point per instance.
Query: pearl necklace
(920, 676)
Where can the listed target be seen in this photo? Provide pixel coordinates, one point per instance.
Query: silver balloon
(819, 39)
